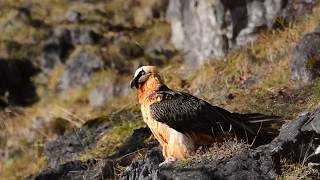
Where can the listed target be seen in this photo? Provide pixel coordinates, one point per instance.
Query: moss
(112, 140)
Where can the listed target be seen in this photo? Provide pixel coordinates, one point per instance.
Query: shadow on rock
(16, 85)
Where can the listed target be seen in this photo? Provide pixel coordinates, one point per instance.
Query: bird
(182, 122)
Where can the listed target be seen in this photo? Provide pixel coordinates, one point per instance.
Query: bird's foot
(168, 161)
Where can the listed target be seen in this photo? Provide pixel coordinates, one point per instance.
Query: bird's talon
(168, 161)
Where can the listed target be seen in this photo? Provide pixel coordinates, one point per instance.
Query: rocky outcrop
(65, 148)
(206, 30)
(74, 170)
(296, 142)
(57, 48)
(79, 69)
(110, 89)
(306, 58)
(99, 169)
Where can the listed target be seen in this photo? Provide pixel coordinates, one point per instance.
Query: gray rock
(101, 95)
(206, 30)
(297, 142)
(145, 169)
(79, 69)
(56, 49)
(61, 42)
(73, 16)
(297, 8)
(199, 29)
(65, 148)
(109, 90)
(135, 142)
(74, 170)
(306, 58)
(98, 169)
(84, 36)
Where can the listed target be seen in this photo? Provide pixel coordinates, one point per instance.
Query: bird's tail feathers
(265, 123)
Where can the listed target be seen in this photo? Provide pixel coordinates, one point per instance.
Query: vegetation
(255, 78)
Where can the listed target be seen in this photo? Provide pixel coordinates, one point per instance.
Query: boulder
(56, 49)
(306, 58)
(79, 69)
(61, 42)
(135, 142)
(145, 169)
(99, 169)
(106, 92)
(66, 147)
(74, 170)
(206, 30)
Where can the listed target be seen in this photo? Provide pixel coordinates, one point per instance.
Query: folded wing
(186, 113)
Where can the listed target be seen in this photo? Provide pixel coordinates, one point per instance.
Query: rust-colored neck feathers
(152, 85)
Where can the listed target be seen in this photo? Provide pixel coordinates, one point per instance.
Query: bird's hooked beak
(140, 78)
(134, 82)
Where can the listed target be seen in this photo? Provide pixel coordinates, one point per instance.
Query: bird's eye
(142, 72)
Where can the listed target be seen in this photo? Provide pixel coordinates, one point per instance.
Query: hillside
(65, 67)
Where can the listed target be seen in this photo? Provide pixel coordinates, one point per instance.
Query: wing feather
(185, 112)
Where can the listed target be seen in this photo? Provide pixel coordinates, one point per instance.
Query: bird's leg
(169, 160)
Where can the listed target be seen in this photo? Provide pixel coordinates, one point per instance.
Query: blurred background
(65, 67)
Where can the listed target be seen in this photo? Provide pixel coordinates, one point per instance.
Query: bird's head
(142, 74)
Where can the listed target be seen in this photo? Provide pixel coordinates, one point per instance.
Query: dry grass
(73, 110)
(297, 171)
(266, 62)
(227, 149)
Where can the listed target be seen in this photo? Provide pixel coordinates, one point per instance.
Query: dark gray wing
(185, 112)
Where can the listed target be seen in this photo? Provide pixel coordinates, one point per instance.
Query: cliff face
(208, 30)
(66, 110)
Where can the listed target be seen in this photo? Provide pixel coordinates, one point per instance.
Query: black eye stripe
(142, 72)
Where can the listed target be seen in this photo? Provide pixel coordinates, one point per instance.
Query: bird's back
(189, 114)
